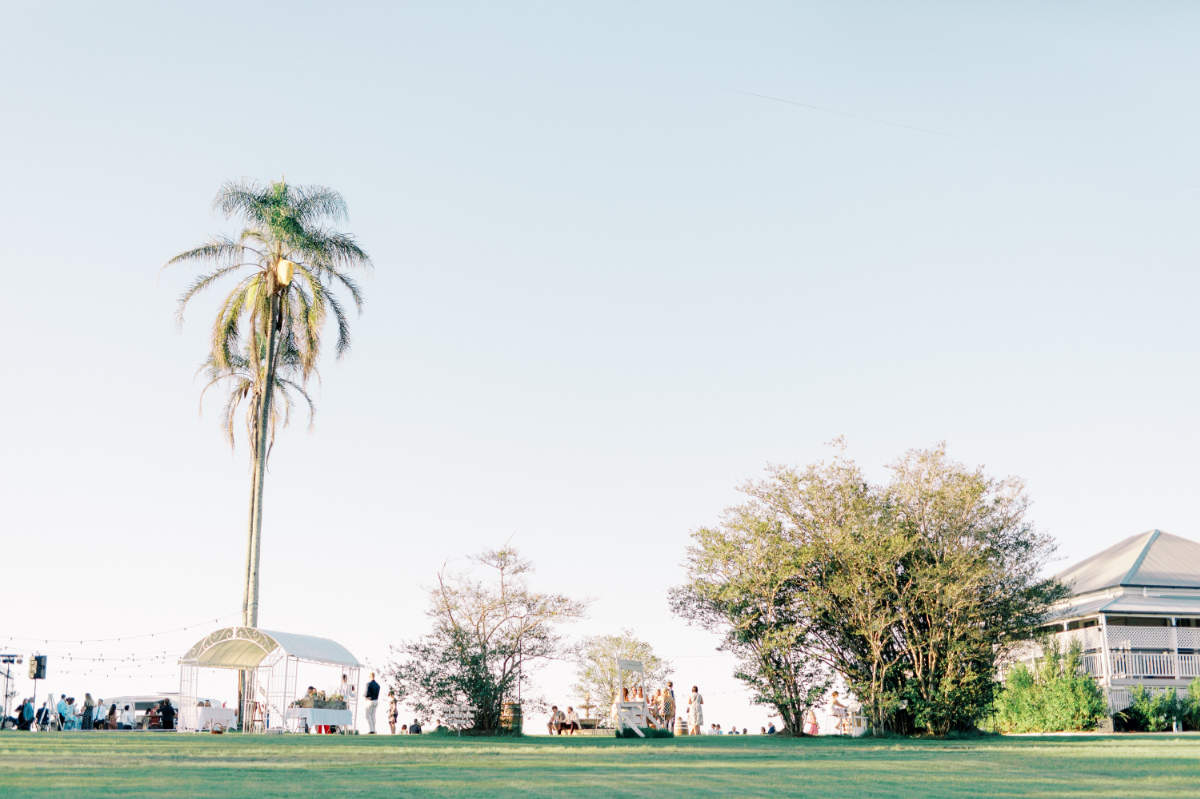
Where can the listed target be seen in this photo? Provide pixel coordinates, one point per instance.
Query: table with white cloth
(209, 717)
(298, 718)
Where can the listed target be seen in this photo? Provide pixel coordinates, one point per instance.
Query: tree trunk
(262, 436)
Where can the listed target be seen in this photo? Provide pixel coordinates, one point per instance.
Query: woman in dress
(811, 727)
(89, 712)
(112, 717)
(695, 710)
(393, 711)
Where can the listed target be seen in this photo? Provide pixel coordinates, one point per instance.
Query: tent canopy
(247, 647)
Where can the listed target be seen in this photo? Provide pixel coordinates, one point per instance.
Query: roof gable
(1150, 559)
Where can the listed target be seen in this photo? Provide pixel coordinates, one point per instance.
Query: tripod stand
(7, 660)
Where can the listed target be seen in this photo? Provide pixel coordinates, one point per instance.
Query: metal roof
(1153, 559)
(1153, 604)
(246, 647)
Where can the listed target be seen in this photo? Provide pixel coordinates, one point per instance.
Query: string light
(82, 641)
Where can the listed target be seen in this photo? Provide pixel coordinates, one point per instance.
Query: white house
(1135, 608)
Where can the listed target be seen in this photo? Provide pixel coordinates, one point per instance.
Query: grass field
(233, 766)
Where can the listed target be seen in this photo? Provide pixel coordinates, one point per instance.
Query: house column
(1105, 665)
(1174, 639)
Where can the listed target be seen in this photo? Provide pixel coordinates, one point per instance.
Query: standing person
(695, 710)
(372, 703)
(167, 714)
(393, 711)
(25, 717)
(126, 720)
(668, 706)
(61, 709)
(346, 690)
(88, 717)
(99, 715)
(111, 720)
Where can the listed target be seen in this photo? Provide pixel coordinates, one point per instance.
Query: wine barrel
(510, 717)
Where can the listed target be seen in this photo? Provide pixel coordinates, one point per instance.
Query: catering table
(206, 717)
(300, 718)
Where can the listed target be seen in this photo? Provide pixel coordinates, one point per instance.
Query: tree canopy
(486, 634)
(596, 678)
(912, 590)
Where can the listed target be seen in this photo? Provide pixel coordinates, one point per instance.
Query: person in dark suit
(166, 715)
(372, 703)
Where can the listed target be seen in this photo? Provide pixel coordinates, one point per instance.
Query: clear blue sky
(611, 285)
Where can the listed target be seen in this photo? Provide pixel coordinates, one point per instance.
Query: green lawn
(234, 766)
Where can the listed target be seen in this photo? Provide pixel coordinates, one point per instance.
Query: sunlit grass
(175, 765)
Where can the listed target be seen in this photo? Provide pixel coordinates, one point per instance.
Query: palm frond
(245, 197)
(299, 389)
(203, 282)
(314, 203)
(343, 326)
(220, 248)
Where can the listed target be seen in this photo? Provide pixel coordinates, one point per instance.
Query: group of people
(717, 729)
(68, 714)
(661, 708)
(393, 711)
(563, 722)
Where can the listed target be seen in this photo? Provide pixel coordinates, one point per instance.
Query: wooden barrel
(510, 717)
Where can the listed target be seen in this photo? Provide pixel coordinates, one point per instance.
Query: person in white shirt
(346, 690)
(572, 721)
(126, 722)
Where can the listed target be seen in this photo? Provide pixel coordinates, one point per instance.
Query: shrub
(649, 732)
(1059, 697)
(1190, 710)
(1153, 711)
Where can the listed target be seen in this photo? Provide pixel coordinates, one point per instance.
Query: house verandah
(1135, 610)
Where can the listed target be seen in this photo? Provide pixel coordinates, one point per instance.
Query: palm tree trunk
(262, 437)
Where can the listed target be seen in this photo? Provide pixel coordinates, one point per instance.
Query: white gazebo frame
(631, 714)
(271, 661)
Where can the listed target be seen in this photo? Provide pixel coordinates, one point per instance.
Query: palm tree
(266, 338)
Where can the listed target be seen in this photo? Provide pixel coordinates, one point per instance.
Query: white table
(206, 717)
(317, 717)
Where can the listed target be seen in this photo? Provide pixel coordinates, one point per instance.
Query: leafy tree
(974, 579)
(911, 590)
(287, 267)
(1059, 697)
(486, 634)
(743, 583)
(597, 663)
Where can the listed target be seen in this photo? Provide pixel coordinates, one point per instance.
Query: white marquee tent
(271, 660)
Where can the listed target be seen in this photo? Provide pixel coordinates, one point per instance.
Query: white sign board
(460, 717)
